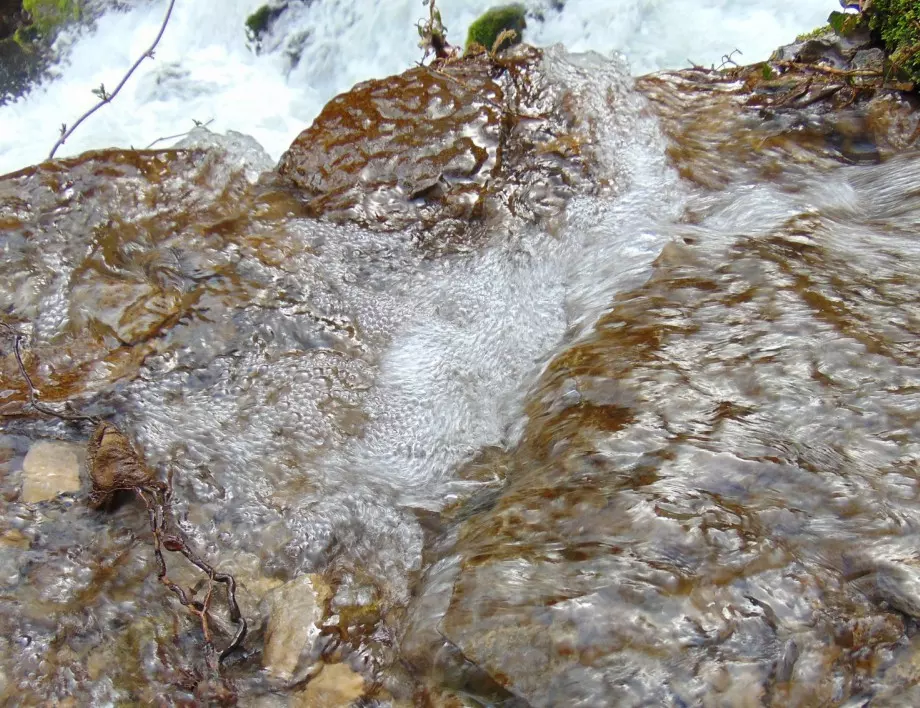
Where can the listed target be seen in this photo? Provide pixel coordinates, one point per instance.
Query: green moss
(260, 21)
(486, 29)
(25, 36)
(897, 22)
(816, 32)
(48, 15)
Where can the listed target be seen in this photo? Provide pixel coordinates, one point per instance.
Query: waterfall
(205, 69)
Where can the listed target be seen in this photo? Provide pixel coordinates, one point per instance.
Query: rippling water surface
(660, 450)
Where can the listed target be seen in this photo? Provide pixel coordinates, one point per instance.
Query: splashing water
(205, 69)
(669, 441)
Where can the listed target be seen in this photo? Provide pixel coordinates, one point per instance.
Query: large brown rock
(764, 117)
(440, 150)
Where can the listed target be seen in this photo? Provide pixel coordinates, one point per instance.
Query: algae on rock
(485, 31)
(47, 15)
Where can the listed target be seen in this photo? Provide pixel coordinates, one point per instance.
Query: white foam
(204, 69)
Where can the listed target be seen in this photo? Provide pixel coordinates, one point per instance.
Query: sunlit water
(205, 70)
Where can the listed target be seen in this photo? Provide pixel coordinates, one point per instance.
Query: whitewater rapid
(205, 69)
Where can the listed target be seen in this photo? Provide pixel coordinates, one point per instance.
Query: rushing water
(205, 69)
(657, 445)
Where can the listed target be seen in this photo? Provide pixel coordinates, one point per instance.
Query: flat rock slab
(336, 686)
(51, 468)
(295, 610)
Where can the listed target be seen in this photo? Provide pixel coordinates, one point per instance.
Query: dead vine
(116, 466)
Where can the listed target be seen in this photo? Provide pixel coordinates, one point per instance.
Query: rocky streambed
(516, 382)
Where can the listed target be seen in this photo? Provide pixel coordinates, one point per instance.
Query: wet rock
(819, 51)
(132, 246)
(621, 550)
(440, 150)
(336, 686)
(869, 60)
(778, 114)
(903, 679)
(294, 612)
(14, 539)
(50, 469)
(239, 151)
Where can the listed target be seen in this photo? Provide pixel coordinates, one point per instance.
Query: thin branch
(848, 73)
(106, 97)
(33, 392)
(176, 544)
(728, 59)
(198, 124)
(826, 69)
(116, 466)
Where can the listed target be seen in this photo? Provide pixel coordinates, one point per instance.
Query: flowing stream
(205, 68)
(658, 444)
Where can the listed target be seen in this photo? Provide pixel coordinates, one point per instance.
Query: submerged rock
(50, 469)
(763, 119)
(295, 611)
(336, 686)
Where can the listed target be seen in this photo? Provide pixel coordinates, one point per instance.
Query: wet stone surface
(445, 151)
(714, 499)
(51, 468)
(241, 346)
(643, 431)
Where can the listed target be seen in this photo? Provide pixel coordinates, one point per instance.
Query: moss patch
(897, 22)
(816, 32)
(260, 21)
(486, 29)
(49, 15)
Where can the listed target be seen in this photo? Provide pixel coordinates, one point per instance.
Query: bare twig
(505, 34)
(433, 34)
(103, 94)
(114, 465)
(848, 73)
(826, 69)
(198, 124)
(728, 59)
(494, 104)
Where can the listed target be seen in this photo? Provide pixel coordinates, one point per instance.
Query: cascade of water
(205, 69)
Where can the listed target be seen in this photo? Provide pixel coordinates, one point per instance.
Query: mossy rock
(816, 32)
(485, 30)
(49, 15)
(260, 21)
(897, 22)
